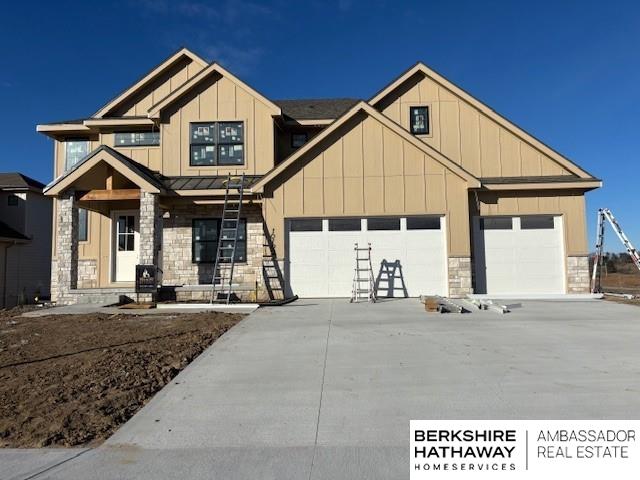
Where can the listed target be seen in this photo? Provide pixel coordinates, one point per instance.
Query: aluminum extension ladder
(222, 284)
(605, 213)
(363, 274)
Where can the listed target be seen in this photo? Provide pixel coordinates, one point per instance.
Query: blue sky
(566, 71)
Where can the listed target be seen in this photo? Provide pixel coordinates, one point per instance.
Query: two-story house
(452, 197)
(25, 240)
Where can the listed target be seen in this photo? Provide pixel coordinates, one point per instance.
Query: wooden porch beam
(116, 194)
(109, 180)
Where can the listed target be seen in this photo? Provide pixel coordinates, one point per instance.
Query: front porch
(140, 221)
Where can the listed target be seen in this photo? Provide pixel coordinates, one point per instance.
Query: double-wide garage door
(408, 255)
(515, 255)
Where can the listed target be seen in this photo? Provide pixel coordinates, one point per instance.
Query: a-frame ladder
(223, 270)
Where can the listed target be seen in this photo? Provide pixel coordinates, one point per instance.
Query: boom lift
(605, 213)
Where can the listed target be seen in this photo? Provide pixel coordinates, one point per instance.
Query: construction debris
(436, 303)
(486, 304)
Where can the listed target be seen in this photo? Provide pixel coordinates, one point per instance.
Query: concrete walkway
(322, 389)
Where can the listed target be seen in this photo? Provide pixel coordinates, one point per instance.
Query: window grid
(216, 143)
(206, 234)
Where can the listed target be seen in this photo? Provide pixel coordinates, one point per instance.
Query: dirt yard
(621, 282)
(69, 380)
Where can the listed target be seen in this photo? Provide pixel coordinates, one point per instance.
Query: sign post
(146, 280)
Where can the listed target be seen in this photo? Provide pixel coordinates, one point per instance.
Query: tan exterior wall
(568, 204)
(467, 136)
(367, 169)
(158, 89)
(217, 99)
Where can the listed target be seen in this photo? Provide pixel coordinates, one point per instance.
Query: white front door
(125, 245)
(408, 255)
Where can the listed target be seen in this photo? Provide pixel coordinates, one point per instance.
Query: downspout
(4, 274)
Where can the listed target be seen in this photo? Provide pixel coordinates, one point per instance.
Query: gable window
(12, 200)
(75, 150)
(137, 139)
(298, 139)
(207, 232)
(217, 143)
(83, 225)
(419, 120)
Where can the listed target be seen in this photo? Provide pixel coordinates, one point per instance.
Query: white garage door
(408, 255)
(514, 255)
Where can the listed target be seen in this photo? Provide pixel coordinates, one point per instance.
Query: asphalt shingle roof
(15, 180)
(316, 108)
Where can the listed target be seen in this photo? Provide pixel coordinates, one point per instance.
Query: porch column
(150, 231)
(67, 247)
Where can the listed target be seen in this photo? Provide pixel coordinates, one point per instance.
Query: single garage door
(408, 255)
(514, 255)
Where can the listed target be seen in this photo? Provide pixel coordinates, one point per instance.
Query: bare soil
(621, 282)
(69, 380)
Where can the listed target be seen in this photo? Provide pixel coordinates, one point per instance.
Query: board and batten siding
(467, 136)
(570, 205)
(217, 99)
(365, 170)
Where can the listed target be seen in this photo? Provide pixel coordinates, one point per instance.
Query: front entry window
(126, 233)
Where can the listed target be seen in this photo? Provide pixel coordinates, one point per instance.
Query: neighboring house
(25, 240)
(452, 197)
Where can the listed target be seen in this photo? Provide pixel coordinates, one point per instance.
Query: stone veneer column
(150, 232)
(67, 248)
(578, 279)
(460, 277)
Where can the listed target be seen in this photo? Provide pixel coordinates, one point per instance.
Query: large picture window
(207, 232)
(137, 139)
(217, 143)
(75, 150)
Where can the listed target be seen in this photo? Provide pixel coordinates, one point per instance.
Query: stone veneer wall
(87, 273)
(64, 275)
(578, 279)
(460, 277)
(178, 269)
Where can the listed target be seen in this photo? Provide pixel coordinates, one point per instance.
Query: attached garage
(517, 255)
(409, 256)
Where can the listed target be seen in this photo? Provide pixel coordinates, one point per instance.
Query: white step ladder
(363, 282)
(605, 213)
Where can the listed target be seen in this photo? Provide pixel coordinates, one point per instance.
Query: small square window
(345, 225)
(383, 223)
(538, 222)
(298, 139)
(419, 120)
(423, 223)
(306, 225)
(12, 200)
(496, 223)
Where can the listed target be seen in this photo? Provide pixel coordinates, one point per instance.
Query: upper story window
(217, 143)
(12, 200)
(137, 139)
(75, 150)
(298, 139)
(419, 120)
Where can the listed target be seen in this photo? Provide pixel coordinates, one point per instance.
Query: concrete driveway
(322, 389)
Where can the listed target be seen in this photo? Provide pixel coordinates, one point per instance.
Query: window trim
(219, 229)
(306, 139)
(135, 145)
(216, 145)
(429, 131)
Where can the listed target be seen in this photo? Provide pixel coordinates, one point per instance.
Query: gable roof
(472, 181)
(316, 108)
(154, 111)
(18, 181)
(146, 79)
(483, 108)
(137, 173)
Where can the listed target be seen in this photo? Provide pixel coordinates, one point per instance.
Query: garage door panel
(519, 261)
(420, 256)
